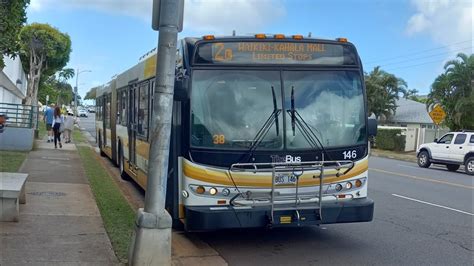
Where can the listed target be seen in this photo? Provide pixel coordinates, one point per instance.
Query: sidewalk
(60, 223)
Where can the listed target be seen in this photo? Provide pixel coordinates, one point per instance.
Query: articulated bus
(268, 131)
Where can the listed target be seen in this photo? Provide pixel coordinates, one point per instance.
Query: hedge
(390, 139)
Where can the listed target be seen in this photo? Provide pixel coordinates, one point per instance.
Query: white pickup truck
(453, 150)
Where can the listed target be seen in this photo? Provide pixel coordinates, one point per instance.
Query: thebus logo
(285, 159)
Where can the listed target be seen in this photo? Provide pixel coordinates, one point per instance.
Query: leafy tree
(90, 95)
(66, 73)
(12, 18)
(383, 91)
(453, 90)
(44, 51)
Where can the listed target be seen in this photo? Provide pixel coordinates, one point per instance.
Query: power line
(425, 63)
(419, 58)
(418, 52)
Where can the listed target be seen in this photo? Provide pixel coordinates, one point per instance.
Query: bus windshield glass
(330, 102)
(229, 107)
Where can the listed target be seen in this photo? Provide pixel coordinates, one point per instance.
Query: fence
(19, 115)
(417, 136)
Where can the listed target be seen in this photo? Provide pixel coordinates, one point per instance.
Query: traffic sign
(437, 114)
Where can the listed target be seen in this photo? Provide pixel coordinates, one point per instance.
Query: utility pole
(75, 88)
(151, 242)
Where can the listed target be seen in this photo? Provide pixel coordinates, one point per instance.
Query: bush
(390, 139)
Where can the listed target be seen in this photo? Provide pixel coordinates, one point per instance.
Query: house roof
(409, 111)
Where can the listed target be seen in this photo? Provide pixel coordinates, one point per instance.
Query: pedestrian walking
(58, 127)
(69, 122)
(48, 119)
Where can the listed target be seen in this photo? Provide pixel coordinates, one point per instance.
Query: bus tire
(123, 173)
(424, 159)
(469, 166)
(102, 153)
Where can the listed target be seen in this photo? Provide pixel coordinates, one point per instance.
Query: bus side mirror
(181, 89)
(372, 127)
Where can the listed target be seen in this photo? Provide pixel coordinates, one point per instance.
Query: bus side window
(143, 107)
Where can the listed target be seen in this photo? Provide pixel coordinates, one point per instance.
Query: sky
(409, 38)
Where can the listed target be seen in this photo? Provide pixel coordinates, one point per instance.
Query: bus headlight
(200, 190)
(358, 183)
(213, 191)
(185, 194)
(338, 187)
(226, 192)
(348, 185)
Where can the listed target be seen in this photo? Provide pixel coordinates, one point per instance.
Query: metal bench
(12, 194)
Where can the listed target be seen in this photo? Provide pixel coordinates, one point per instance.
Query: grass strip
(41, 129)
(116, 213)
(10, 161)
(77, 136)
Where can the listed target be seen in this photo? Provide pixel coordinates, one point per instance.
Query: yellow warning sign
(437, 114)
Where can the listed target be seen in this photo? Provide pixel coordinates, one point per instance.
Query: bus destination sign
(263, 52)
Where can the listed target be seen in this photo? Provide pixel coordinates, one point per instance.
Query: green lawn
(41, 129)
(10, 161)
(117, 214)
(77, 136)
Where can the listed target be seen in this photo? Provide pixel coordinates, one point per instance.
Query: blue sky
(410, 38)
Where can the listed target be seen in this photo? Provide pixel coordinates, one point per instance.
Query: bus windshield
(229, 107)
(330, 102)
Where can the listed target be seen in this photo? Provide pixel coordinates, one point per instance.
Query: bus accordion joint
(341, 39)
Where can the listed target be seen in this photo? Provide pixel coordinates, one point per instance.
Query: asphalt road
(422, 217)
(88, 123)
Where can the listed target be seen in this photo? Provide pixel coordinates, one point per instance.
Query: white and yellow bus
(268, 130)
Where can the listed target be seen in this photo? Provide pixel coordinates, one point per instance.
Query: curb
(185, 250)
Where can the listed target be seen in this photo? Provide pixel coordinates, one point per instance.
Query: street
(88, 123)
(422, 217)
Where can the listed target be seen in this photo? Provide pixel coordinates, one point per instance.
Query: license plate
(285, 179)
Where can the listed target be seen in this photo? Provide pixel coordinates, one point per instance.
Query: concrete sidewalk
(60, 223)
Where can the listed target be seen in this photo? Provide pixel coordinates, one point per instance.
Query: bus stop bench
(12, 193)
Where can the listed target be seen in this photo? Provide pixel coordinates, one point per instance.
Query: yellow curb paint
(422, 178)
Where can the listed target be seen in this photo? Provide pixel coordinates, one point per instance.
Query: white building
(13, 81)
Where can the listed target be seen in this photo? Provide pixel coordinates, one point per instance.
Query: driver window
(446, 139)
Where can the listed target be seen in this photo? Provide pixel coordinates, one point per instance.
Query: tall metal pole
(151, 243)
(75, 92)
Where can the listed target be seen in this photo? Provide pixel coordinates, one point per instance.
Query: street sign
(437, 114)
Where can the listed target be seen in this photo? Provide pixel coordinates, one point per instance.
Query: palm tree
(453, 90)
(383, 91)
(66, 73)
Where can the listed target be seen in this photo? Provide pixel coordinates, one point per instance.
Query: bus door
(104, 121)
(133, 124)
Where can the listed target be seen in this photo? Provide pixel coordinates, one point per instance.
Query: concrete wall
(17, 139)
(13, 82)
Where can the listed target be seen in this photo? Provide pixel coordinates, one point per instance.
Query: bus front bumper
(207, 218)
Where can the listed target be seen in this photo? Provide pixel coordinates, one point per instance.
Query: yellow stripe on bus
(222, 177)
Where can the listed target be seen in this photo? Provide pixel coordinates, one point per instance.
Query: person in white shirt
(69, 122)
(58, 120)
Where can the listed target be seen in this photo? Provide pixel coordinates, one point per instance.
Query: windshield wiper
(303, 126)
(275, 111)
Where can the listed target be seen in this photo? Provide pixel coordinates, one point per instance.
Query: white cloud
(446, 21)
(213, 16)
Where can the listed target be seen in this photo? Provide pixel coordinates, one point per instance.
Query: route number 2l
(349, 154)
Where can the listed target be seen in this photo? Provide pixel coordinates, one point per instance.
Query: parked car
(91, 110)
(82, 113)
(453, 150)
